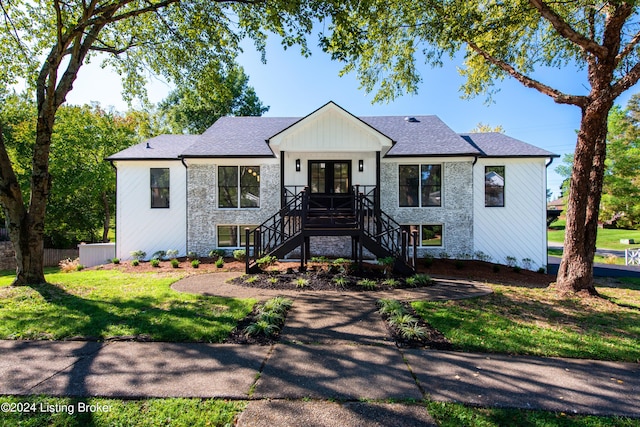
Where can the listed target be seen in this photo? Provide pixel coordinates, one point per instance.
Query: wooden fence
(53, 256)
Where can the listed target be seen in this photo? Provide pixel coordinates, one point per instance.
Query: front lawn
(607, 238)
(99, 304)
(535, 321)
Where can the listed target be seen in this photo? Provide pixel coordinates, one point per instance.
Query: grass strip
(36, 411)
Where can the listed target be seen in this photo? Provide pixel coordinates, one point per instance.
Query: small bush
(541, 270)
(273, 280)
(413, 331)
(79, 267)
(195, 263)
(391, 282)
(511, 261)
(154, 262)
(443, 255)
(391, 307)
(341, 281)
(496, 268)
(459, 265)
(251, 279)
(400, 319)
(367, 284)
(423, 279)
(217, 253)
(277, 305)
(138, 255)
(68, 265)
(386, 261)
(261, 327)
(135, 263)
(171, 253)
(220, 263)
(175, 263)
(192, 255)
(319, 259)
(411, 282)
(610, 259)
(116, 260)
(517, 269)
(301, 282)
(527, 263)
(159, 255)
(266, 261)
(240, 254)
(481, 256)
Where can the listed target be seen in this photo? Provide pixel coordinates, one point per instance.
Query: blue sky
(295, 86)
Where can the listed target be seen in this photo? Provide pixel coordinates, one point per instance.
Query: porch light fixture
(360, 165)
(297, 165)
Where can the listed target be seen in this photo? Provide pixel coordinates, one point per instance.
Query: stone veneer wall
(203, 214)
(456, 212)
(7, 256)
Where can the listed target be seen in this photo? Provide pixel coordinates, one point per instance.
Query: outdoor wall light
(360, 165)
(297, 165)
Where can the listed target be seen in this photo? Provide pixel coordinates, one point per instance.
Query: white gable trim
(330, 129)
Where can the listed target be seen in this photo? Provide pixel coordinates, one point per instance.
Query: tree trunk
(576, 268)
(29, 252)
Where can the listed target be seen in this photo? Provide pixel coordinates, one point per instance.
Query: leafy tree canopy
(219, 91)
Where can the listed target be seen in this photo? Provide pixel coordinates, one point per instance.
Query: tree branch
(628, 48)
(555, 94)
(627, 81)
(566, 31)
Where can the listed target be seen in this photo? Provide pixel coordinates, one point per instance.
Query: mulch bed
(434, 339)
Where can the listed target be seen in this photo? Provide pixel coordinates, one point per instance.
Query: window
(428, 234)
(239, 186)
(420, 185)
(494, 186)
(160, 187)
(233, 236)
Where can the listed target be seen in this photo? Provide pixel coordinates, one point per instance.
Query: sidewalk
(332, 347)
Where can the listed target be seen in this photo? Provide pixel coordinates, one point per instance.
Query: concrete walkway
(335, 365)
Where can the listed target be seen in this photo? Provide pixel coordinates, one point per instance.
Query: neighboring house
(462, 195)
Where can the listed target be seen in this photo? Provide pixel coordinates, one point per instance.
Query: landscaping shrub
(217, 253)
(159, 255)
(266, 261)
(154, 262)
(135, 263)
(116, 260)
(138, 255)
(220, 262)
(171, 253)
(175, 263)
(240, 255)
(195, 263)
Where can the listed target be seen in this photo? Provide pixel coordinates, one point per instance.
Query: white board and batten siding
(140, 227)
(519, 228)
(330, 134)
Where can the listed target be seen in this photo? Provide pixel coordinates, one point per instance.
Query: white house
(462, 195)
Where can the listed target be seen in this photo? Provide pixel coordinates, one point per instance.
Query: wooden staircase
(356, 215)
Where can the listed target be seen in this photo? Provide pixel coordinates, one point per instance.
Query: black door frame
(329, 175)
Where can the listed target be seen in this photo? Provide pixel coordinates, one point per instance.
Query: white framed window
(238, 187)
(420, 185)
(233, 236)
(429, 235)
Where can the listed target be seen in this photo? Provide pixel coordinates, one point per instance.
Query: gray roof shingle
(495, 144)
(239, 137)
(161, 147)
(248, 136)
(426, 136)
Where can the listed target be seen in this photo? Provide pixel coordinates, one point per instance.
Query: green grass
(607, 238)
(458, 415)
(598, 259)
(150, 412)
(107, 303)
(519, 320)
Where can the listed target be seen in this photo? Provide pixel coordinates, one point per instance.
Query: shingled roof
(161, 147)
(495, 144)
(249, 137)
